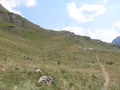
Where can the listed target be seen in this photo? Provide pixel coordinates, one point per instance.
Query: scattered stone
(89, 49)
(27, 57)
(46, 79)
(3, 69)
(37, 70)
(57, 62)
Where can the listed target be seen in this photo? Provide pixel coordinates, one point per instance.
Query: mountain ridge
(116, 40)
(25, 48)
(16, 21)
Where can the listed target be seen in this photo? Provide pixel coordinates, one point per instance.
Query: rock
(27, 57)
(46, 79)
(37, 70)
(116, 41)
(57, 62)
(3, 69)
(88, 49)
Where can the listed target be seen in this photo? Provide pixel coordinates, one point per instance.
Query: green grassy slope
(24, 48)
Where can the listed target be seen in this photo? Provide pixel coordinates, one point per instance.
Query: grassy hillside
(22, 49)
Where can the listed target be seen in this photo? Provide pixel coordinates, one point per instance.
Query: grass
(78, 69)
(24, 49)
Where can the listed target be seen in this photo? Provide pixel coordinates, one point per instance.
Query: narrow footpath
(105, 75)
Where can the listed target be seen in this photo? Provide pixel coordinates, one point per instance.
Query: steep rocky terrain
(116, 41)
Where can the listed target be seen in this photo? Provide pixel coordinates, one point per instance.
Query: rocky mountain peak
(116, 40)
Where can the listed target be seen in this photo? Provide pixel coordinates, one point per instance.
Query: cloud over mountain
(106, 35)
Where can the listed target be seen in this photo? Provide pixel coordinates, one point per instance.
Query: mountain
(116, 41)
(84, 63)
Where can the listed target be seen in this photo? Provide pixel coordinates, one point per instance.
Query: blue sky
(99, 19)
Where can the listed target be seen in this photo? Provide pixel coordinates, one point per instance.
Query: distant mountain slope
(25, 46)
(116, 41)
(17, 25)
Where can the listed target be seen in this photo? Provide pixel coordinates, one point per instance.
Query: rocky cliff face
(6, 16)
(116, 41)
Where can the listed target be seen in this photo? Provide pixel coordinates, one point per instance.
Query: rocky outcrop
(116, 41)
(9, 17)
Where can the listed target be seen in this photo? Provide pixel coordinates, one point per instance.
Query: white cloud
(74, 29)
(116, 25)
(85, 13)
(106, 35)
(105, 1)
(12, 4)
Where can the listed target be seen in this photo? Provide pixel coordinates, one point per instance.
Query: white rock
(46, 79)
(38, 71)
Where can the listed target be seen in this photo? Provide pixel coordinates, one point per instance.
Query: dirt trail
(105, 75)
